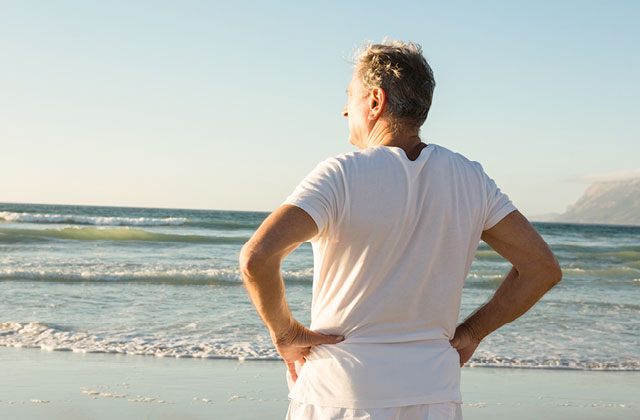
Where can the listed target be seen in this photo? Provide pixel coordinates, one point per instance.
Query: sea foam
(90, 220)
(56, 338)
(158, 275)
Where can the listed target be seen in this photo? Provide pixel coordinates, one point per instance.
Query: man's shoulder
(347, 159)
(362, 154)
(446, 155)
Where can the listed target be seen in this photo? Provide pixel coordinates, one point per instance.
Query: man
(394, 229)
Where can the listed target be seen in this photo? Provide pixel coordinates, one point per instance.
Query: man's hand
(535, 270)
(260, 259)
(295, 344)
(464, 341)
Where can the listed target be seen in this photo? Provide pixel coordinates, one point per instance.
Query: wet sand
(36, 384)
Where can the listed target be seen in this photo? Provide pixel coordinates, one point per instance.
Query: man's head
(396, 74)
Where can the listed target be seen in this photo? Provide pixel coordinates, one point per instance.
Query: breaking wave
(153, 275)
(90, 220)
(59, 338)
(107, 234)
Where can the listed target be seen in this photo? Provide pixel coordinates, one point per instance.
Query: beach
(39, 384)
(146, 143)
(132, 313)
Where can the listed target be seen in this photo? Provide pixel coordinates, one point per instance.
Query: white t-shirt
(395, 242)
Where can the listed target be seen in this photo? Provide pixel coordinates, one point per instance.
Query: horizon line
(133, 207)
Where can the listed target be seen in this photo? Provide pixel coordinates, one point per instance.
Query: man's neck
(408, 140)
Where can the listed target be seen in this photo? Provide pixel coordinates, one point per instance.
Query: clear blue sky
(227, 105)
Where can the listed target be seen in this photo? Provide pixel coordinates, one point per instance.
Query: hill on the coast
(610, 202)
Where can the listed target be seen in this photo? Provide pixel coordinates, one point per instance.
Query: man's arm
(535, 270)
(282, 232)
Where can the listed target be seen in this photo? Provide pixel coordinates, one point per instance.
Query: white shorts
(438, 411)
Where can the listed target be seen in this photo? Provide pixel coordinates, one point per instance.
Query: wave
(185, 345)
(54, 218)
(160, 276)
(629, 255)
(620, 255)
(606, 273)
(59, 338)
(554, 363)
(482, 280)
(488, 254)
(583, 305)
(107, 234)
(8, 216)
(222, 225)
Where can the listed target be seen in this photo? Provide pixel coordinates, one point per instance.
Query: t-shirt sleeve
(319, 194)
(498, 203)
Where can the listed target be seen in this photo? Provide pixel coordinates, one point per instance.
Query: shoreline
(39, 384)
(242, 359)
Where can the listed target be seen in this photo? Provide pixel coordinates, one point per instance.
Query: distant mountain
(611, 202)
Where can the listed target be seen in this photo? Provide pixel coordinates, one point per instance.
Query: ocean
(165, 282)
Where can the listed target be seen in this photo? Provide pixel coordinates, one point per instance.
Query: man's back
(395, 243)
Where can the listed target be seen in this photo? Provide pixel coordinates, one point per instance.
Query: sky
(228, 105)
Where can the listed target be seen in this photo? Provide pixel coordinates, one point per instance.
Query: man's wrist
(473, 330)
(282, 329)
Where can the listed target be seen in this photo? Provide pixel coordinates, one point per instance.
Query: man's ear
(377, 103)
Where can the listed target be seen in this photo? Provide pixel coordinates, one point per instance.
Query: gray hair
(405, 76)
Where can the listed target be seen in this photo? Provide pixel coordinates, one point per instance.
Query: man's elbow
(554, 272)
(251, 263)
(546, 271)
